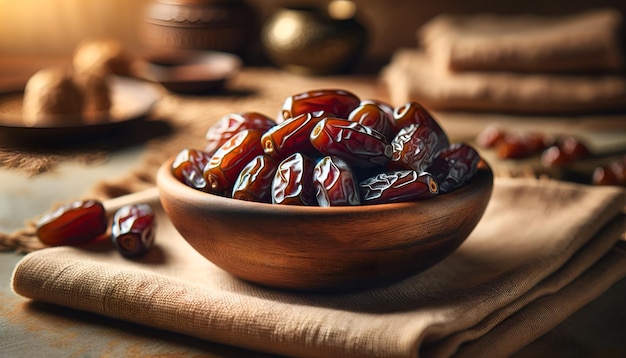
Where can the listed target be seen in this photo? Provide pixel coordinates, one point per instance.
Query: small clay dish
(189, 72)
(323, 249)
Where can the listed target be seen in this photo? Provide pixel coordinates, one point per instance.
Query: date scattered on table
(553, 152)
(84, 221)
(133, 229)
(74, 223)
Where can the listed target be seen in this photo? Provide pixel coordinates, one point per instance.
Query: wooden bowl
(323, 248)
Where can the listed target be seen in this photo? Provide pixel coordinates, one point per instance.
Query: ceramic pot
(220, 25)
(309, 41)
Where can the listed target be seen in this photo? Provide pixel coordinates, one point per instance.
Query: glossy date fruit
(335, 183)
(133, 230)
(254, 182)
(188, 168)
(373, 116)
(612, 173)
(490, 136)
(233, 123)
(357, 144)
(564, 152)
(385, 107)
(291, 136)
(398, 186)
(416, 146)
(226, 164)
(293, 181)
(337, 102)
(521, 145)
(454, 166)
(414, 113)
(72, 224)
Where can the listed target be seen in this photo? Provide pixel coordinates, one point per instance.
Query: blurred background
(55, 27)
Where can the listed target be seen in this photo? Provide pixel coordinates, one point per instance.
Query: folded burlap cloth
(583, 41)
(518, 64)
(542, 250)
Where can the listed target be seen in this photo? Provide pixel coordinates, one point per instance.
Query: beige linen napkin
(585, 41)
(526, 255)
(412, 75)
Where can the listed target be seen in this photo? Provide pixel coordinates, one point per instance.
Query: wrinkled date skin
(398, 186)
(293, 181)
(226, 164)
(339, 103)
(188, 167)
(415, 147)
(72, 224)
(133, 230)
(358, 145)
(455, 166)
(414, 113)
(372, 115)
(231, 124)
(291, 136)
(335, 183)
(254, 183)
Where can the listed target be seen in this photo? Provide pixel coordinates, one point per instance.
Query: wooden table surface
(29, 329)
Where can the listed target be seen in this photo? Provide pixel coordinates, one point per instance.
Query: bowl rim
(482, 181)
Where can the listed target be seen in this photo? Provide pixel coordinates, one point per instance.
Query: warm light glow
(341, 9)
(55, 27)
(284, 30)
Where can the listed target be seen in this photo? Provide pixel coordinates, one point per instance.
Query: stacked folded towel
(524, 64)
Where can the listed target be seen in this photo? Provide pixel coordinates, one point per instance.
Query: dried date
(490, 136)
(373, 116)
(133, 230)
(291, 136)
(564, 152)
(337, 102)
(254, 182)
(398, 186)
(188, 168)
(415, 147)
(521, 145)
(73, 223)
(414, 113)
(612, 173)
(335, 183)
(454, 166)
(226, 164)
(385, 107)
(233, 123)
(293, 181)
(358, 145)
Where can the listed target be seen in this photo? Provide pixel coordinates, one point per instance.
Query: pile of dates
(553, 151)
(328, 148)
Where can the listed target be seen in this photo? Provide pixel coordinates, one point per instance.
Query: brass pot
(220, 25)
(309, 41)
